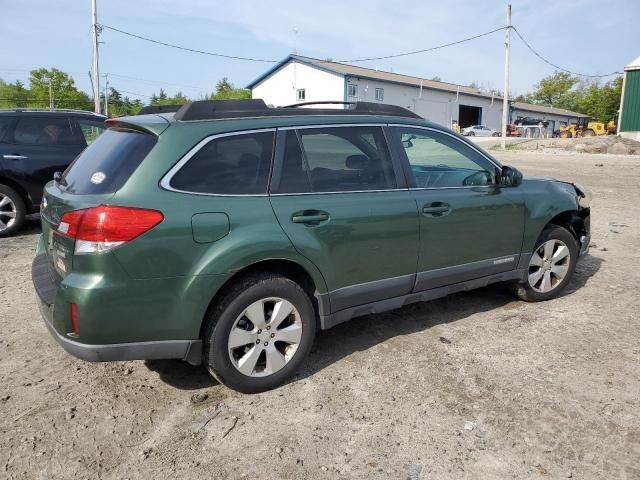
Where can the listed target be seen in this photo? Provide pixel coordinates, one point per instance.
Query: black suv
(33, 145)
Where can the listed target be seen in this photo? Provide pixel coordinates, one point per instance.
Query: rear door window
(336, 159)
(5, 126)
(229, 165)
(106, 164)
(44, 131)
(90, 129)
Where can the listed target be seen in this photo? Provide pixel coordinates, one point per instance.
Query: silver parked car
(480, 131)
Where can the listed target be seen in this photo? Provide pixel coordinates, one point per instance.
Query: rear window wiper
(58, 179)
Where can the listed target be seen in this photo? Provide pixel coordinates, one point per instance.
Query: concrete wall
(280, 88)
(434, 105)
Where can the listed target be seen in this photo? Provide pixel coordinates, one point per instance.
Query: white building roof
(635, 65)
(362, 72)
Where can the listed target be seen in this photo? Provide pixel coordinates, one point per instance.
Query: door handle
(436, 209)
(310, 217)
(14, 157)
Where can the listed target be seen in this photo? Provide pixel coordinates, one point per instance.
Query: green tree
(525, 98)
(163, 99)
(225, 90)
(65, 94)
(600, 101)
(563, 90)
(13, 94)
(556, 90)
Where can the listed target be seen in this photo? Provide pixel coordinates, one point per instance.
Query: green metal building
(630, 103)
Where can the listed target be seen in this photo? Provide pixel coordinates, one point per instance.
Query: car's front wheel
(259, 333)
(551, 266)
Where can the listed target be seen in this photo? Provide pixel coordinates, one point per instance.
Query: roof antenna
(295, 40)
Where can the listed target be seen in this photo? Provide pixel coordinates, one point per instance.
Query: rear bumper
(44, 283)
(188, 350)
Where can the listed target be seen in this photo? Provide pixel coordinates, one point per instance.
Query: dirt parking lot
(477, 385)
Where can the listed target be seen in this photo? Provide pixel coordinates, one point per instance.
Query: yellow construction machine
(586, 127)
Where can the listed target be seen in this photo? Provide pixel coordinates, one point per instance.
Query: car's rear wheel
(551, 266)
(12, 211)
(259, 333)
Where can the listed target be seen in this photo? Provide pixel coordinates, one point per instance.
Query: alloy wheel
(549, 265)
(265, 337)
(8, 212)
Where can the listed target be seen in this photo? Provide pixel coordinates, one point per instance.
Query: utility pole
(106, 94)
(95, 72)
(505, 98)
(50, 95)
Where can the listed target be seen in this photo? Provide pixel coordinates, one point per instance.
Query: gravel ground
(476, 385)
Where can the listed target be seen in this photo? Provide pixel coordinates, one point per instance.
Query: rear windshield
(107, 163)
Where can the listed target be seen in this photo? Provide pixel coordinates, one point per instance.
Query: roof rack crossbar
(36, 109)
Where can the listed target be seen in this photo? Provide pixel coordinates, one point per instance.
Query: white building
(299, 79)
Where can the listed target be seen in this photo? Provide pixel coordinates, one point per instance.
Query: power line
(556, 66)
(424, 50)
(203, 52)
(158, 82)
(251, 59)
(132, 93)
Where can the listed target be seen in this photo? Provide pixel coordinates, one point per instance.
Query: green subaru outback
(227, 233)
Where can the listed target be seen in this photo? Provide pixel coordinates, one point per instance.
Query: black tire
(471, 134)
(223, 316)
(496, 134)
(525, 291)
(565, 134)
(588, 133)
(20, 211)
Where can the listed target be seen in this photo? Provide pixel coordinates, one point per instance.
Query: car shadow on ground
(362, 333)
(180, 374)
(31, 226)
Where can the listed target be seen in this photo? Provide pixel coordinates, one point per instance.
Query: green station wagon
(227, 233)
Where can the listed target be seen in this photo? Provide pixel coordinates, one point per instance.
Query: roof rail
(159, 109)
(364, 107)
(66, 110)
(323, 102)
(219, 109)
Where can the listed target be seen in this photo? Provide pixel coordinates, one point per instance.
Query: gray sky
(594, 36)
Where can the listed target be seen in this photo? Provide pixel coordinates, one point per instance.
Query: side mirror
(57, 176)
(479, 179)
(510, 176)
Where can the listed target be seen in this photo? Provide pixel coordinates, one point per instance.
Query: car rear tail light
(74, 319)
(104, 227)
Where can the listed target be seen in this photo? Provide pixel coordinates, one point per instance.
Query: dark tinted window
(43, 131)
(108, 162)
(5, 125)
(90, 129)
(440, 160)
(295, 175)
(339, 159)
(233, 165)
